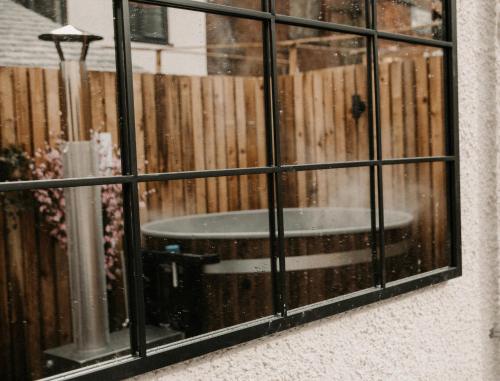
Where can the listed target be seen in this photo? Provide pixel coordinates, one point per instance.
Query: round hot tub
(328, 254)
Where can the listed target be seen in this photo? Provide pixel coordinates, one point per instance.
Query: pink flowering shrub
(51, 205)
(48, 165)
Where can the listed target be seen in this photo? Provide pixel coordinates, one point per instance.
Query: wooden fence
(196, 123)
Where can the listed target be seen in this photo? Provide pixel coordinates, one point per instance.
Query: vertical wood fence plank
(150, 135)
(300, 138)
(186, 125)
(319, 137)
(6, 347)
(7, 118)
(97, 101)
(198, 143)
(424, 169)
(209, 139)
(439, 203)
(175, 158)
(110, 105)
(261, 140)
(339, 136)
(22, 108)
(239, 93)
(251, 127)
(385, 127)
(397, 131)
(220, 139)
(231, 143)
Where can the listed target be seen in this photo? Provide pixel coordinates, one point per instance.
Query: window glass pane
(43, 108)
(148, 23)
(206, 253)
(323, 97)
(327, 234)
(421, 18)
(418, 194)
(211, 116)
(351, 12)
(53, 9)
(411, 100)
(63, 298)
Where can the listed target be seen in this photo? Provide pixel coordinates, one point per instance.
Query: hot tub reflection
(209, 271)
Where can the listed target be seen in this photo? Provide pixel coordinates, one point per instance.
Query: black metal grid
(141, 360)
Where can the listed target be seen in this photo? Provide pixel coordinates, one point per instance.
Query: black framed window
(311, 168)
(52, 9)
(148, 24)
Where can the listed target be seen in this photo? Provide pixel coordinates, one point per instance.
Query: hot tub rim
(405, 219)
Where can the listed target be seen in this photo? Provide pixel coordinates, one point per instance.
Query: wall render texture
(438, 333)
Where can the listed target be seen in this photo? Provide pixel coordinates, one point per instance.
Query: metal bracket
(358, 106)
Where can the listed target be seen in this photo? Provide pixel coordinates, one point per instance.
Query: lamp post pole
(83, 206)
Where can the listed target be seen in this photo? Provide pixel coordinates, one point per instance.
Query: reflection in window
(411, 100)
(419, 18)
(420, 190)
(52, 9)
(206, 253)
(351, 12)
(148, 23)
(327, 234)
(61, 280)
(323, 98)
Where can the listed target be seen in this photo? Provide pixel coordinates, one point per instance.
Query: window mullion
(273, 75)
(378, 129)
(129, 166)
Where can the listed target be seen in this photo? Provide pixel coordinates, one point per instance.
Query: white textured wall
(439, 333)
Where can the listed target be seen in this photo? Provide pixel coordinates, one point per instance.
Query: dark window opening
(148, 24)
(52, 9)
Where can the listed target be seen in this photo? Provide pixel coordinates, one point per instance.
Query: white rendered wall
(186, 29)
(438, 333)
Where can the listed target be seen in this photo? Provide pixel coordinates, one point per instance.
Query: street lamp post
(83, 206)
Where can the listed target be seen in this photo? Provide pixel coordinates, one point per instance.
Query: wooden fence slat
(61, 272)
(209, 138)
(220, 139)
(231, 142)
(22, 108)
(424, 169)
(22, 352)
(329, 120)
(319, 137)
(110, 105)
(300, 138)
(308, 105)
(186, 126)
(6, 348)
(397, 132)
(97, 101)
(251, 128)
(261, 140)
(198, 144)
(53, 105)
(173, 132)
(239, 93)
(7, 118)
(340, 134)
(363, 135)
(385, 127)
(150, 135)
(287, 134)
(439, 202)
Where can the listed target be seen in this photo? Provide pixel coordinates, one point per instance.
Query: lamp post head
(69, 33)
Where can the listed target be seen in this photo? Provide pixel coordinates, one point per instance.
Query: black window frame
(142, 359)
